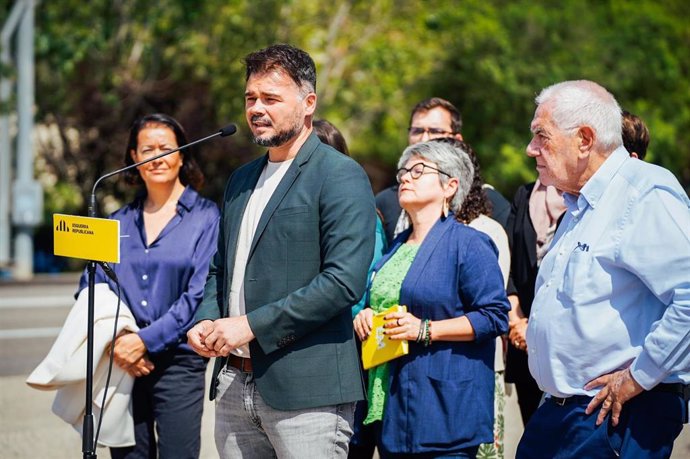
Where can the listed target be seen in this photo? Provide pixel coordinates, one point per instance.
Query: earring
(446, 208)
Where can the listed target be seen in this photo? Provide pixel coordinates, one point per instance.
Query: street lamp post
(26, 193)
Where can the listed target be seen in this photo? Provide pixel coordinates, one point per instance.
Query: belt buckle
(560, 401)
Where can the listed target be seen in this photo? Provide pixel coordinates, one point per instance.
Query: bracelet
(420, 335)
(427, 335)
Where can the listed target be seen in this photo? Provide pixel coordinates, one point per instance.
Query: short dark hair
(190, 172)
(435, 102)
(477, 202)
(293, 61)
(635, 134)
(330, 135)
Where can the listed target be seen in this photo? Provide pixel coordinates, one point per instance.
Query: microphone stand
(88, 440)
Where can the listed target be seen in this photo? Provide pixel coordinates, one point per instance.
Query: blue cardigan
(441, 396)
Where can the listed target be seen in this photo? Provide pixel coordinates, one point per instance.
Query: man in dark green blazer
(295, 243)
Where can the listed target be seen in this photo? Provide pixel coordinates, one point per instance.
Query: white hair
(451, 160)
(581, 102)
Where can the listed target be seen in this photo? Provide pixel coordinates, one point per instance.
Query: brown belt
(242, 364)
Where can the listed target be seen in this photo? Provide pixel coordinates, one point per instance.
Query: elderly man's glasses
(432, 132)
(417, 171)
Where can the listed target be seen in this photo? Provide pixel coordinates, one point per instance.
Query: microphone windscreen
(230, 129)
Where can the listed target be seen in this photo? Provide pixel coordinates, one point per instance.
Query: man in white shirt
(608, 332)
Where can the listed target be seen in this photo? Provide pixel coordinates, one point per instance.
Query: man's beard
(277, 140)
(281, 138)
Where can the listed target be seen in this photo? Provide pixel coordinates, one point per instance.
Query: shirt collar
(592, 191)
(188, 198)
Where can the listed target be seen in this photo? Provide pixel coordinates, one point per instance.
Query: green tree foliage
(102, 63)
(507, 51)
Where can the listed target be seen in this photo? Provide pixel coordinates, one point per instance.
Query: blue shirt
(614, 289)
(163, 283)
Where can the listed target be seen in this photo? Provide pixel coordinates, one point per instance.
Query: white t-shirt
(269, 179)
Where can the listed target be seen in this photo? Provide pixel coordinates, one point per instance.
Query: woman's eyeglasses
(417, 171)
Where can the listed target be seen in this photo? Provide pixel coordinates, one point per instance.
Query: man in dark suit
(296, 240)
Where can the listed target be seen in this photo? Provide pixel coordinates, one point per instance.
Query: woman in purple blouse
(168, 236)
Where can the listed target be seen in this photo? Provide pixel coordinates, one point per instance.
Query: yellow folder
(379, 348)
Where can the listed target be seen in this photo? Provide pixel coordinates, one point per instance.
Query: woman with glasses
(436, 401)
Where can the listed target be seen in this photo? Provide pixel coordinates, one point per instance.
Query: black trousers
(167, 406)
(364, 438)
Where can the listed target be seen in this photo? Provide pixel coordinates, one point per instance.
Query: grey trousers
(246, 427)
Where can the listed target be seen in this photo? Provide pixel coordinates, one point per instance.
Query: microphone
(230, 129)
(108, 271)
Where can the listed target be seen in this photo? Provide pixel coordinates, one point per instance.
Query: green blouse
(384, 293)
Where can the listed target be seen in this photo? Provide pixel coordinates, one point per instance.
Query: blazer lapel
(530, 240)
(284, 186)
(423, 255)
(236, 207)
(528, 230)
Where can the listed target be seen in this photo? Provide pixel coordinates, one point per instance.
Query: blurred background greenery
(102, 63)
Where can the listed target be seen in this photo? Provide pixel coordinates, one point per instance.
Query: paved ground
(30, 316)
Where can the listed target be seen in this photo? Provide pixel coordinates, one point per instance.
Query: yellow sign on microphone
(96, 239)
